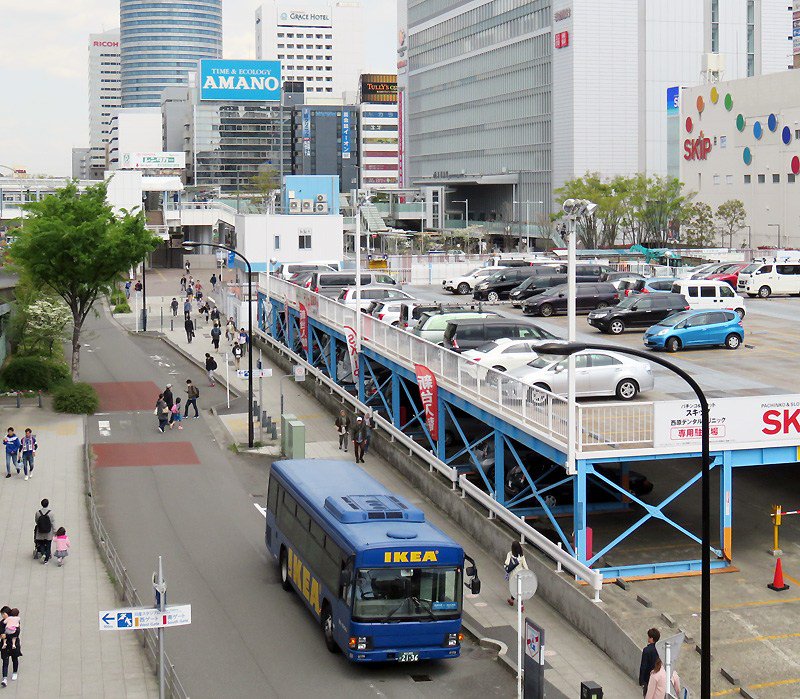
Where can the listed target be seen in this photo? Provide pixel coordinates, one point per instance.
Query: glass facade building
(161, 42)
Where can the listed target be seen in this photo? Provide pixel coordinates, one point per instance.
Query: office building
(378, 132)
(81, 163)
(104, 97)
(161, 43)
(325, 142)
(134, 130)
(318, 44)
(502, 101)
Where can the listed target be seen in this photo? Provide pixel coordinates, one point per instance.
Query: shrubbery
(75, 398)
(34, 373)
(117, 297)
(122, 307)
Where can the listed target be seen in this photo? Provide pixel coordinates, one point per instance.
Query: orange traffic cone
(777, 582)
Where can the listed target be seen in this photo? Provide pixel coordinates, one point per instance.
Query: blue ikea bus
(383, 583)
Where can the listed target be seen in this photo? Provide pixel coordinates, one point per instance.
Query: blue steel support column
(441, 452)
(310, 340)
(271, 318)
(289, 324)
(361, 377)
(499, 467)
(332, 349)
(395, 399)
(579, 516)
(726, 506)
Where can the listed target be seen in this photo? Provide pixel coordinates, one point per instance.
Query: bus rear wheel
(286, 583)
(327, 629)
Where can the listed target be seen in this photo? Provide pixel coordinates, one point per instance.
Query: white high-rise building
(319, 44)
(104, 97)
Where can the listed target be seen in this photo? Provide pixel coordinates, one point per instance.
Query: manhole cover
(421, 678)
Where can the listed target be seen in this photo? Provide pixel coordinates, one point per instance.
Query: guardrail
(124, 585)
(526, 532)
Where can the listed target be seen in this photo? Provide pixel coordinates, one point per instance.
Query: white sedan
(597, 373)
(502, 354)
(465, 285)
(372, 293)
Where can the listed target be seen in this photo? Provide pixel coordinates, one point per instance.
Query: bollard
(40, 399)
(776, 523)
(171, 324)
(274, 430)
(19, 401)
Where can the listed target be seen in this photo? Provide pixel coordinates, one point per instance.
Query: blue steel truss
(486, 447)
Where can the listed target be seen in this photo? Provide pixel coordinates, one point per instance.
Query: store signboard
(240, 81)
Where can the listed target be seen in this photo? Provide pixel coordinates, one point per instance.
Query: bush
(117, 297)
(76, 398)
(122, 307)
(34, 373)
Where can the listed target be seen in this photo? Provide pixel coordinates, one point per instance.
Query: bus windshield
(400, 594)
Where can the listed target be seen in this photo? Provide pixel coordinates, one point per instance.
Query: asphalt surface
(248, 637)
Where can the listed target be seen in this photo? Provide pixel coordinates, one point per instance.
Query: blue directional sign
(125, 620)
(107, 618)
(231, 258)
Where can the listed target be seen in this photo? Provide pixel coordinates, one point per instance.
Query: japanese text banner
(428, 393)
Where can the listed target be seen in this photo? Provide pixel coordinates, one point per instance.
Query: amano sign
(240, 81)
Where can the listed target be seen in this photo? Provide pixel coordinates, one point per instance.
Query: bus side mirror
(475, 585)
(471, 571)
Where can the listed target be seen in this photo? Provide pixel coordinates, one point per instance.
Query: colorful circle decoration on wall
(714, 95)
(700, 104)
(757, 130)
(740, 123)
(772, 122)
(689, 125)
(728, 102)
(796, 165)
(786, 135)
(747, 156)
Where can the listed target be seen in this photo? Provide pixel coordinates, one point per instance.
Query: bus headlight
(360, 642)
(453, 639)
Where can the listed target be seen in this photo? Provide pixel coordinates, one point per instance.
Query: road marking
(262, 510)
(764, 603)
(761, 685)
(105, 428)
(791, 579)
(755, 639)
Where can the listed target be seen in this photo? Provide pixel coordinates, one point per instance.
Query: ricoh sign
(304, 18)
(106, 44)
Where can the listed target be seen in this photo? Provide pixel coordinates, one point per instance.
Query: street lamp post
(570, 348)
(190, 245)
(527, 221)
(779, 232)
(465, 202)
(749, 237)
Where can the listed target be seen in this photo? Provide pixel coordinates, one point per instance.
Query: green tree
(699, 228)
(264, 183)
(655, 204)
(72, 243)
(731, 215)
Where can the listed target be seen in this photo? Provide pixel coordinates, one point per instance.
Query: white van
(768, 278)
(709, 293)
(287, 269)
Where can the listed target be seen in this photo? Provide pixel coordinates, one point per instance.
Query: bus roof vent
(369, 508)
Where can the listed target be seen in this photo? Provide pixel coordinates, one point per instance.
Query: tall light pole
(465, 202)
(190, 245)
(527, 221)
(570, 348)
(779, 232)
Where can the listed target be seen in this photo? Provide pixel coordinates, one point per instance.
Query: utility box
(591, 690)
(285, 420)
(296, 441)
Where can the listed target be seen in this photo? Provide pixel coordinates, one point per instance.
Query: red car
(729, 274)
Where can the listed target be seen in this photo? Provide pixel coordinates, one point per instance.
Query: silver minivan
(330, 284)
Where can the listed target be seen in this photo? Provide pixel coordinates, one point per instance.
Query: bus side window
(272, 495)
(346, 588)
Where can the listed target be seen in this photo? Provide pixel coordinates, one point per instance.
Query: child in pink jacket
(61, 541)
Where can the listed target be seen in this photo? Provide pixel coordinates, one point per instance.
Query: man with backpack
(43, 532)
(211, 367)
(192, 394)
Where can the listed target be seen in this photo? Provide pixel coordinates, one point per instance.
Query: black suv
(533, 286)
(640, 311)
(467, 334)
(498, 286)
(588, 297)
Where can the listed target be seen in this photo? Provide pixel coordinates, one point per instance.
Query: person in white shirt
(515, 559)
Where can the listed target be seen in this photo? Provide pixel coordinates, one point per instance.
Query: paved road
(248, 636)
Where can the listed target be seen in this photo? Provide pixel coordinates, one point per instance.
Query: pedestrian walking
(174, 306)
(189, 327)
(198, 295)
(8, 637)
(649, 658)
(192, 394)
(183, 284)
(369, 425)
(187, 308)
(215, 315)
(28, 447)
(176, 415)
(43, 531)
(204, 310)
(162, 412)
(213, 281)
(211, 367)
(11, 440)
(515, 559)
(244, 340)
(657, 682)
(342, 424)
(187, 266)
(230, 329)
(359, 437)
(138, 286)
(168, 397)
(237, 352)
(62, 545)
(128, 289)
(10, 652)
(216, 333)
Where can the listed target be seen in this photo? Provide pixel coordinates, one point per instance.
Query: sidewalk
(64, 652)
(570, 657)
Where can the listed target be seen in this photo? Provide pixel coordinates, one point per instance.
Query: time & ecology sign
(240, 81)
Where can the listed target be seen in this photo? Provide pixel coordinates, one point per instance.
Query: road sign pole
(163, 600)
(520, 638)
(260, 407)
(227, 381)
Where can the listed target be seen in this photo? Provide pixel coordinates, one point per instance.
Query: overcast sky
(43, 69)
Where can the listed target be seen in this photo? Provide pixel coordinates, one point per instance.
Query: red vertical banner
(304, 327)
(428, 393)
(352, 349)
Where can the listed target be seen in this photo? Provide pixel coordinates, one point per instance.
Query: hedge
(76, 398)
(33, 373)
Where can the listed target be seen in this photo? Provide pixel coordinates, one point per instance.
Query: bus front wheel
(286, 583)
(327, 629)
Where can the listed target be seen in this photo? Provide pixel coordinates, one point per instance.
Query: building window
(728, 179)
(797, 133)
(277, 243)
(751, 38)
(304, 241)
(790, 178)
(776, 178)
(747, 179)
(714, 26)
(716, 179)
(762, 179)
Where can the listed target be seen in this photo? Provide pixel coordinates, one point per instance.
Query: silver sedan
(597, 373)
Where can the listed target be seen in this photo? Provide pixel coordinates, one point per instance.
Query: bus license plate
(408, 657)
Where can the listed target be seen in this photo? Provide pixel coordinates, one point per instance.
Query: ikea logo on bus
(306, 583)
(411, 557)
